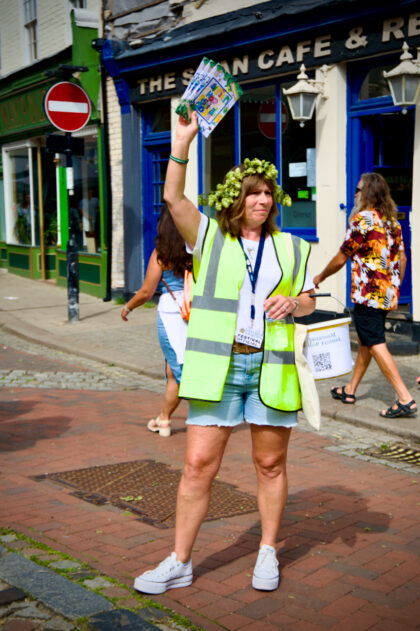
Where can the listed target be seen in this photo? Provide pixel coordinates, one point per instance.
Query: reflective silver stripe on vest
(215, 304)
(208, 346)
(279, 357)
(208, 300)
(298, 257)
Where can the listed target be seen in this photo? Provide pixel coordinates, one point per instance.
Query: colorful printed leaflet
(211, 93)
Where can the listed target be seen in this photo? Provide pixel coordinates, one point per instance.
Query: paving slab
(55, 591)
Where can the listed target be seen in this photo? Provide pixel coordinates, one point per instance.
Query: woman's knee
(200, 468)
(270, 466)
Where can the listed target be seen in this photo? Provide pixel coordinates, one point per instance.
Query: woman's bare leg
(204, 452)
(170, 398)
(269, 451)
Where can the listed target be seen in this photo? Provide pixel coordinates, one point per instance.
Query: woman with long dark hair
(165, 271)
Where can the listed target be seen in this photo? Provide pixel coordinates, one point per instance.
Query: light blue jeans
(240, 400)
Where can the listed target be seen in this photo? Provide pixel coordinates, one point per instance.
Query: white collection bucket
(327, 348)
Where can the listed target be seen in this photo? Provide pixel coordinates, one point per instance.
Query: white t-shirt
(269, 277)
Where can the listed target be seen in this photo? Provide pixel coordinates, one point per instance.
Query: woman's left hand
(278, 307)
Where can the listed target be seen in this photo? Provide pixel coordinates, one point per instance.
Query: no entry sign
(67, 106)
(267, 119)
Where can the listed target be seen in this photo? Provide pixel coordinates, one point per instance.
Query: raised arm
(184, 213)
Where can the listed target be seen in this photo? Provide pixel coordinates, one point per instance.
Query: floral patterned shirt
(374, 244)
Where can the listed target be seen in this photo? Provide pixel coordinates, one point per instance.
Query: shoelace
(269, 555)
(166, 565)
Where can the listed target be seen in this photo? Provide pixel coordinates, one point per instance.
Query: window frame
(8, 197)
(30, 27)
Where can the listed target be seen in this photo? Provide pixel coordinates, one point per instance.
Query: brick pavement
(37, 311)
(348, 546)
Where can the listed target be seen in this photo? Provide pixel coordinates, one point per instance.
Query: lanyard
(253, 273)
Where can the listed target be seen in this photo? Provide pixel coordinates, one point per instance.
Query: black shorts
(370, 324)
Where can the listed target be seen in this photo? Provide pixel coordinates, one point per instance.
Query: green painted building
(35, 208)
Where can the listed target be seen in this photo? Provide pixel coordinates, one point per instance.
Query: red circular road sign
(267, 119)
(67, 106)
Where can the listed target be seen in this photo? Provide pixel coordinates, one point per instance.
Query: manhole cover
(397, 452)
(148, 489)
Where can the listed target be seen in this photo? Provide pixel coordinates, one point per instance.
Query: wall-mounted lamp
(303, 95)
(404, 80)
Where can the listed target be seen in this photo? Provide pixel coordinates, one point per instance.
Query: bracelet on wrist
(296, 307)
(178, 160)
(127, 309)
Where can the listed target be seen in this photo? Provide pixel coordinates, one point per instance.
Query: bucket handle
(328, 295)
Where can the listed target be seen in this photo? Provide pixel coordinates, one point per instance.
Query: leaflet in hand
(211, 93)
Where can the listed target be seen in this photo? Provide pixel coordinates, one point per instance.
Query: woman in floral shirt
(374, 244)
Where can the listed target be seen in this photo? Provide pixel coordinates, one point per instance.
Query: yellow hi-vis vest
(211, 328)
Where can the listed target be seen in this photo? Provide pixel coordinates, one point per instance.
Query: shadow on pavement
(313, 517)
(16, 435)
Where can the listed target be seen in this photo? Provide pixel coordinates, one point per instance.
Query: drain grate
(396, 452)
(148, 489)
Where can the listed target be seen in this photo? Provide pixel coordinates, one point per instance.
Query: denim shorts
(167, 350)
(240, 400)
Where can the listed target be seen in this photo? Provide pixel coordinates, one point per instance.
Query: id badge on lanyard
(249, 335)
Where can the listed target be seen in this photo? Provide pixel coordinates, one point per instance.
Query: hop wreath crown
(226, 193)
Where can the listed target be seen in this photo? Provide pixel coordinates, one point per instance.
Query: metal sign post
(67, 106)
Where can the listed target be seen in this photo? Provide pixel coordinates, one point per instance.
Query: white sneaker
(266, 573)
(169, 574)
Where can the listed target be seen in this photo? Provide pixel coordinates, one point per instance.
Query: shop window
(21, 216)
(375, 85)
(157, 117)
(84, 210)
(298, 175)
(222, 149)
(30, 17)
(251, 130)
(49, 197)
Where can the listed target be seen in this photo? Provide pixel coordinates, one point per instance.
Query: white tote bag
(310, 399)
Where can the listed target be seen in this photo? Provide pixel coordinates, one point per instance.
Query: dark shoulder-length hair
(229, 219)
(375, 194)
(170, 246)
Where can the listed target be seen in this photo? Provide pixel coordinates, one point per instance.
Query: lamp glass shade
(404, 89)
(308, 105)
(396, 87)
(302, 105)
(411, 88)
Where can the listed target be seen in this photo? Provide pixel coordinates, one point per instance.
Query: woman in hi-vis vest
(239, 359)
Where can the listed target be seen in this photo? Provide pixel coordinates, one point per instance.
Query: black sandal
(343, 396)
(402, 409)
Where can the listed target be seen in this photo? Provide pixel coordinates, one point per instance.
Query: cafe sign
(283, 55)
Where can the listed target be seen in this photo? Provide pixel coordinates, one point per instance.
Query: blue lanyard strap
(253, 273)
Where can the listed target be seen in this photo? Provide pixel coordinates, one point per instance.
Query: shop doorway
(393, 160)
(381, 153)
(156, 147)
(381, 139)
(154, 170)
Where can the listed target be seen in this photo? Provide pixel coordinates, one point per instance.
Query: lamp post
(404, 79)
(303, 95)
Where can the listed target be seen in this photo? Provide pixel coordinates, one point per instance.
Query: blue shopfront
(359, 129)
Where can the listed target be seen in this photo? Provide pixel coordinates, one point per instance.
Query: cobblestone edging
(97, 376)
(44, 590)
